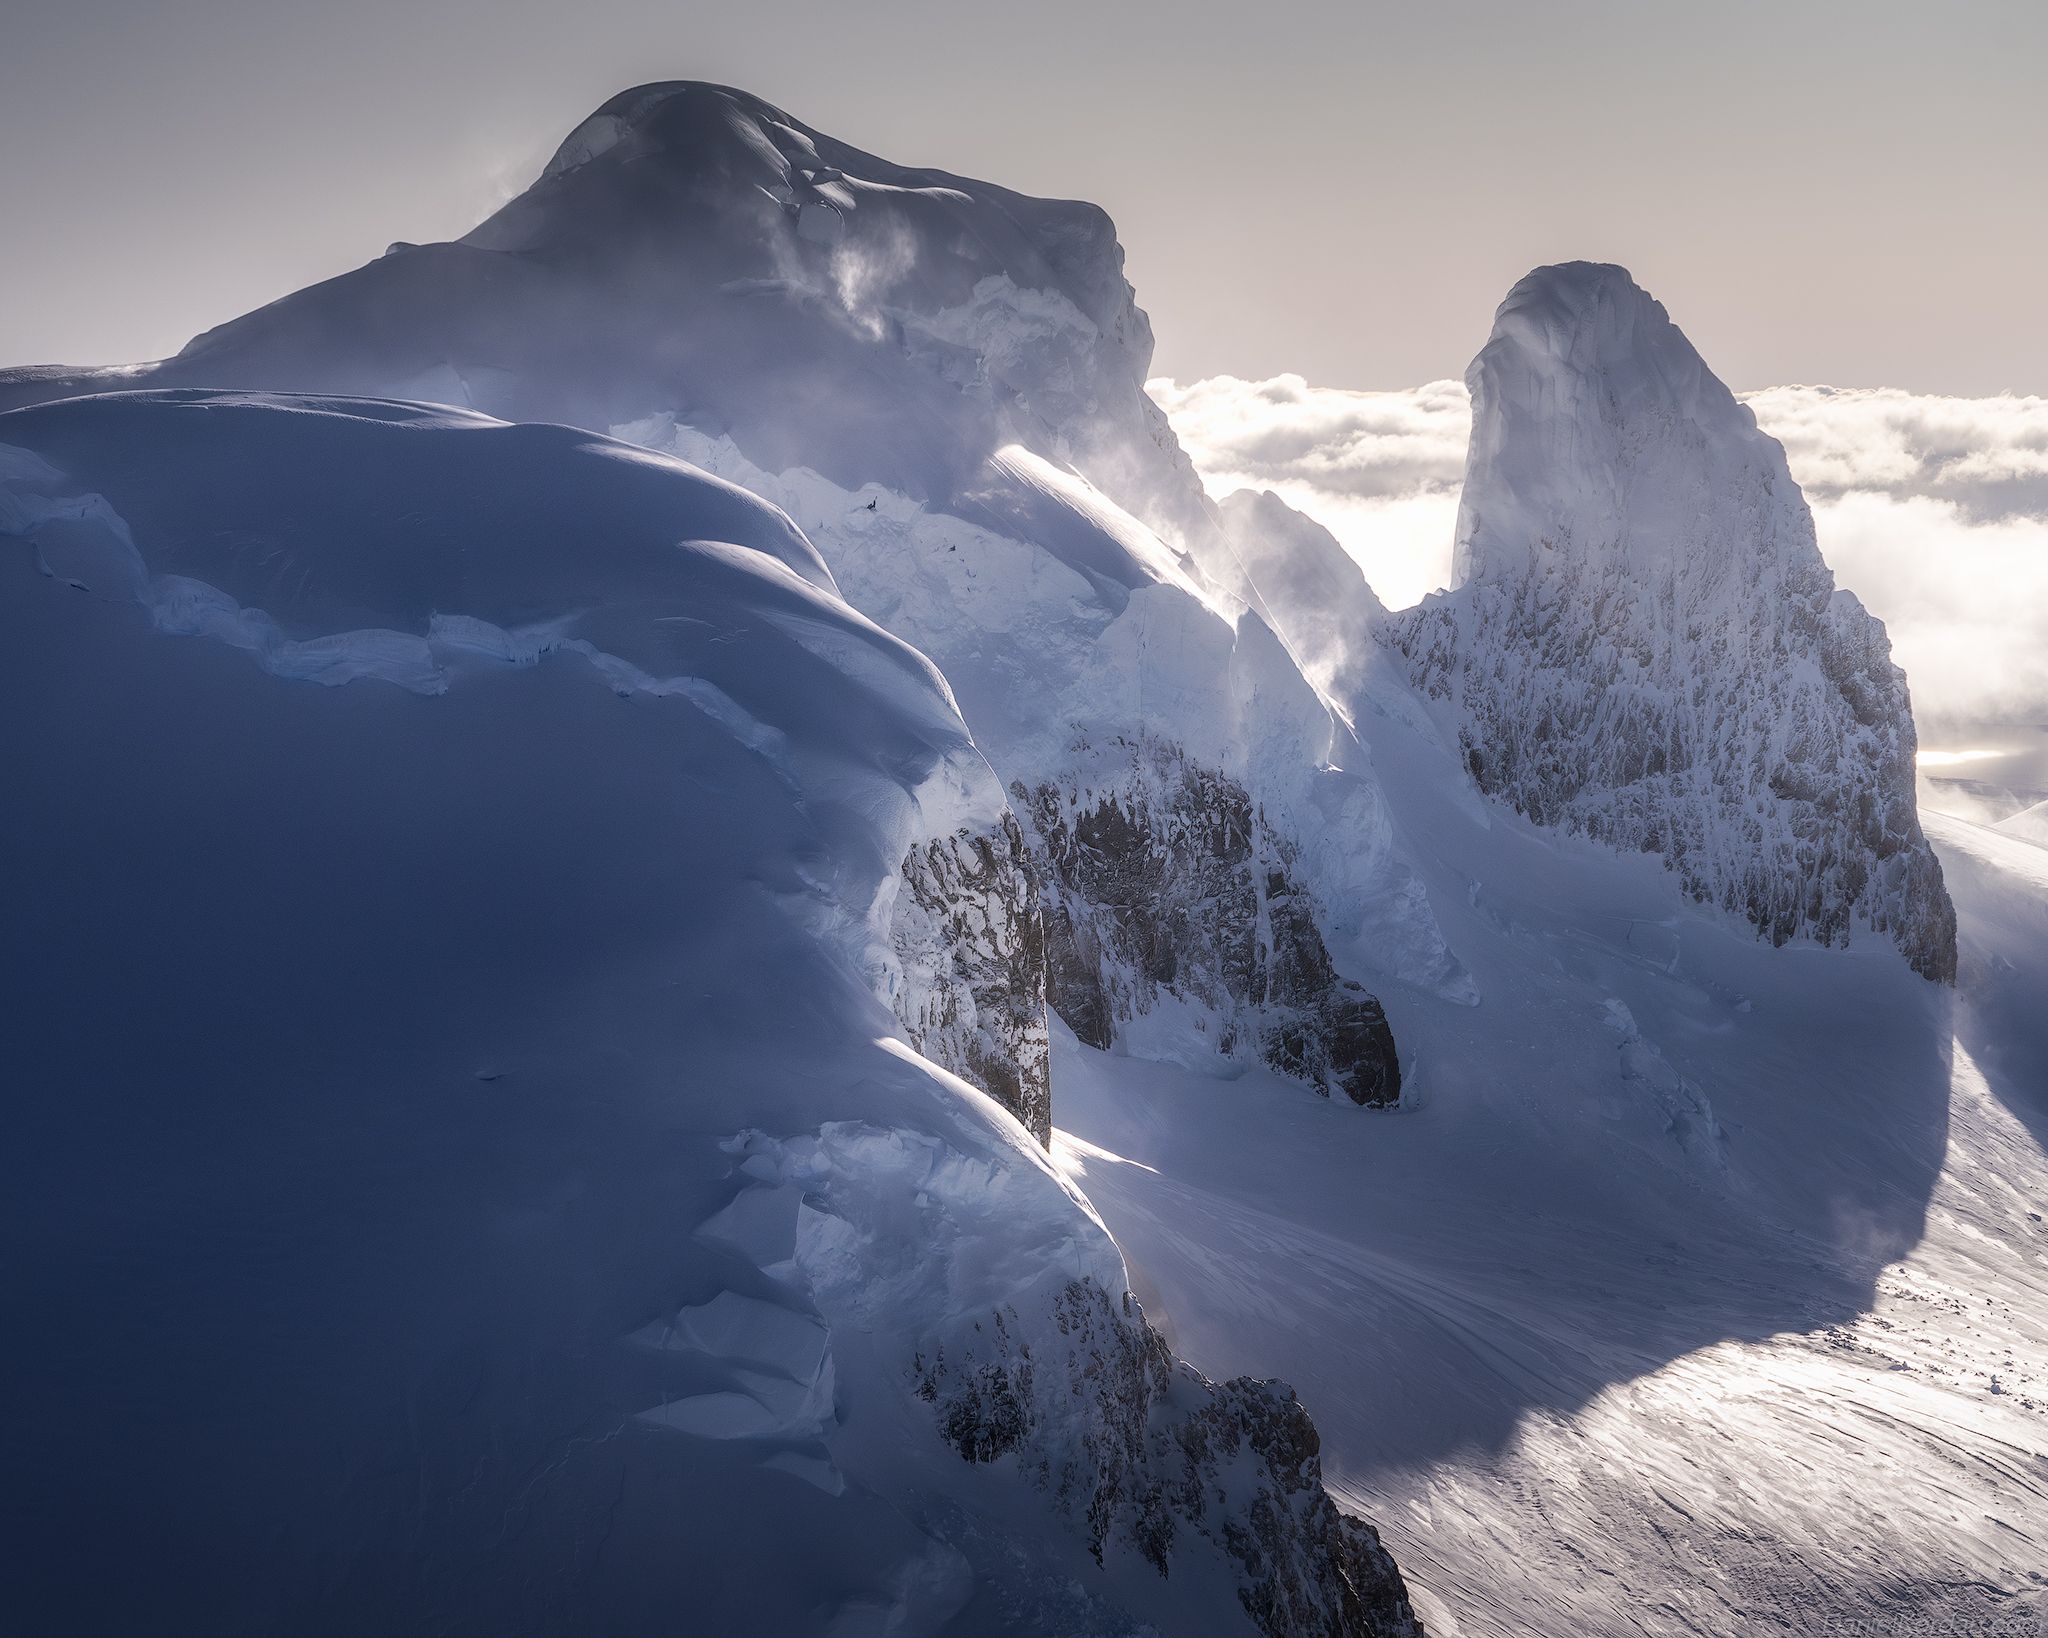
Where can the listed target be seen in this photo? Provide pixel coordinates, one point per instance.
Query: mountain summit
(1644, 645)
(693, 250)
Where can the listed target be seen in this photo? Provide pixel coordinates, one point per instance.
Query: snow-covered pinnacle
(1595, 423)
(1644, 644)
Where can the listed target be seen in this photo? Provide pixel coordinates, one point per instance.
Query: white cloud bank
(1379, 470)
(1933, 510)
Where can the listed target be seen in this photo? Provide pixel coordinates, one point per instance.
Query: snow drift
(467, 1169)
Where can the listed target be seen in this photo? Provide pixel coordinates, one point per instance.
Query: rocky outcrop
(1644, 645)
(1165, 1455)
(1170, 889)
(970, 938)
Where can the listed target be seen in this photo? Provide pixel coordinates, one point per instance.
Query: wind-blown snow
(466, 1173)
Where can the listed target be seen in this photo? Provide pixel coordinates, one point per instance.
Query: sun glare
(1949, 759)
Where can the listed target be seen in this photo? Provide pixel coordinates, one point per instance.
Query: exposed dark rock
(1162, 1450)
(1170, 882)
(970, 935)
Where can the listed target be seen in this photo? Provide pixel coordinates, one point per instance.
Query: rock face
(969, 934)
(1169, 1457)
(1644, 646)
(1171, 883)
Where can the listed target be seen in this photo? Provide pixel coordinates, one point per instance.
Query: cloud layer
(1933, 510)
(1379, 470)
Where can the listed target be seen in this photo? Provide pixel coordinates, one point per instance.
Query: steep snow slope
(1310, 587)
(464, 1173)
(1644, 646)
(698, 271)
(970, 1001)
(1705, 1278)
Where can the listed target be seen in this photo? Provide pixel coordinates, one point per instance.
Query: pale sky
(1843, 191)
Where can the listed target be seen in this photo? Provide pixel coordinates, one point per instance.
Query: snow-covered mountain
(1644, 646)
(510, 1119)
(471, 1176)
(942, 381)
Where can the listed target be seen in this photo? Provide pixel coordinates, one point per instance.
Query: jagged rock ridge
(1172, 882)
(1236, 1463)
(1644, 645)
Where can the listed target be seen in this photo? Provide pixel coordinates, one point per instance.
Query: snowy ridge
(1214, 779)
(698, 271)
(1311, 589)
(500, 1073)
(1644, 645)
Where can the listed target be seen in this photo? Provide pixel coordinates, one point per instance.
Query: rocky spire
(1644, 646)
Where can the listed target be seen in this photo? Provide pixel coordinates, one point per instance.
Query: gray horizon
(1822, 192)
